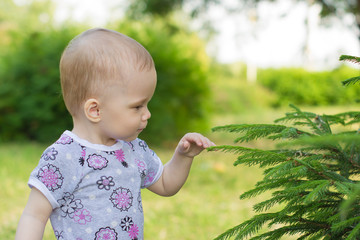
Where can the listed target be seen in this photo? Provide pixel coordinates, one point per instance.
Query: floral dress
(95, 190)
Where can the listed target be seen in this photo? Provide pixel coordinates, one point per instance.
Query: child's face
(124, 113)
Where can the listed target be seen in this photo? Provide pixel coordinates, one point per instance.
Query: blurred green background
(194, 93)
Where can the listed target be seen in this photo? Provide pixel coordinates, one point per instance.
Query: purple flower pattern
(97, 162)
(119, 154)
(141, 167)
(133, 232)
(82, 216)
(51, 177)
(64, 139)
(106, 234)
(49, 154)
(127, 225)
(105, 183)
(69, 205)
(149, 177)
(122, 198)
(83, 155)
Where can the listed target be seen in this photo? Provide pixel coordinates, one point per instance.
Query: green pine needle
(349, 58)
(351, 81)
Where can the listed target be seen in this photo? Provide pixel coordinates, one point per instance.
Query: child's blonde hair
(96, 59)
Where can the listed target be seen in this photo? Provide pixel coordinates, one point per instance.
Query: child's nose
(146, 115)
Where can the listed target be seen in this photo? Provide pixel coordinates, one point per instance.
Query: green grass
(206, 206)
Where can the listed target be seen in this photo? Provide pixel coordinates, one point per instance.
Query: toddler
(88, 182)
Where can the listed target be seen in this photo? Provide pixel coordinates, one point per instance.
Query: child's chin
(130, 139)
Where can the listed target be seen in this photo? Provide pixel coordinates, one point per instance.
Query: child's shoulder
(60, 148)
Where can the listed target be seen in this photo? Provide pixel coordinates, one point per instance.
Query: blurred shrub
(301, 87)
(233, 93)
(181, 100)
(30, 93)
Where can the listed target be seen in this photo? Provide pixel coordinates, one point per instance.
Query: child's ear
(92, 110)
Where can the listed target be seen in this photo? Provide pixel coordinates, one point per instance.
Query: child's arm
(33, 220)
(177, 169)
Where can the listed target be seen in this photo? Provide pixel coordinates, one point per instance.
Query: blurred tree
(30, 94)
(329, 8)
(30, 50)
(163, 8)
(18, 19)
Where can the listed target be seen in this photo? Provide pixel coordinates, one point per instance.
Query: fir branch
(351, 114)
(342, 225)
(250, 156)
(312, 235)
(252, 131)
(318, 192)
(306, 116)
(352, 59)
(267, 204)
(355, 233)
(353, 197)
(351, 81)
(281, 170)
(289, 133)
(349, 58)
(310, 176)
(259, 157)
(288, 230)
(343, 188)
(330, 142)
(247, 228)
(263, 186)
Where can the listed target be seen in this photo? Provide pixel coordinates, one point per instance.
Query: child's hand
(192, 144)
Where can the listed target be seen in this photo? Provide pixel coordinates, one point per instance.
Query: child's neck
(89, 132)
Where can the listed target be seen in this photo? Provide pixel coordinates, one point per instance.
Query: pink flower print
(49, 154)
(83, 154)
(64, 139)
(83, 151)
(51, 177)
(97, 162)
(106, 234)
(149, 177)
(82, 216)
(105, 183)
(141, 167)
(122, 198)
(134, 231)
(119, 154)
(140, 164)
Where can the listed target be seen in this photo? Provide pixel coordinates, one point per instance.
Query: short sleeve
(56, 173)
(148, 162)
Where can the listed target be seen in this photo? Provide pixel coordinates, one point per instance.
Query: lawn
(206, 206)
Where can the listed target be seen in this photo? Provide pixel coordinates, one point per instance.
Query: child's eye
(138, 107)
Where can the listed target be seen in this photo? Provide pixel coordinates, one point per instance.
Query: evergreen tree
(313, 174)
